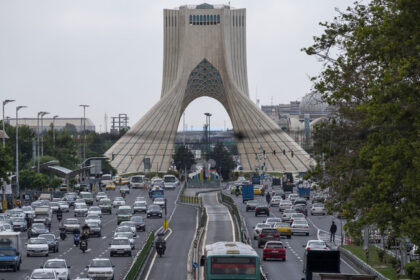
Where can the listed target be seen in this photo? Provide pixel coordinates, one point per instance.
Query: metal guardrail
(140, 258)
(190, 200)
(203, 184)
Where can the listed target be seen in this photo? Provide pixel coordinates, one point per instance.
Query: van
(45, 196)
(138, 182)
(87, 196)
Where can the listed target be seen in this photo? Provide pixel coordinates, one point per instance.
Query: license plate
(274, 252)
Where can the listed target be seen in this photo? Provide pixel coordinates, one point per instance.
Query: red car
(274, 250)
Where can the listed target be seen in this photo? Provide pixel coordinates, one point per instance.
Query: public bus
(230, 260)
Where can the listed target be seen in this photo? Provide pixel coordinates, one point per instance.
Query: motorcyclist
(268, 197)
(237, 191)
(59, 214)
(160, 244)
(76, 238)
(123, 194)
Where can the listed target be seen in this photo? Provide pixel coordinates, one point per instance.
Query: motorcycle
(59, 217)
(63, 235)
(160, 249)
(237, 192)
(76, 239)
(83, 245)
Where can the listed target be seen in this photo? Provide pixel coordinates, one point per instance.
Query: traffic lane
(174, 262)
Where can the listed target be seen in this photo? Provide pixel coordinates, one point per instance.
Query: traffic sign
(195, 265)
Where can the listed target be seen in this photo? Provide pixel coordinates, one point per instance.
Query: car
(154, 211)
(105, 205)
(292, 197)
(43, 274)
(297, 216)
(287, 213)
(110, 186)
(285, 204)
(70, 198)
(275, 201)
(300, 226)
(272, 221)
(139, 207)
(318, 245)
(318, 209)
(29, 211)
(121, 181)
(124, 213)
(126, 234)
(284, 229)
(100, 268)
(118, 201)
(87, 196)
(6, 227)
(268, 234)
(93, 218)
(139, 222)
(157, 182)
(95, 210)
(300, 208)
(120, 246)
(258, 190)
(124, 189)
(80, 200)
(37, 247)
(318, 198)
(274, 250)
(18, 223)
(159, 201)
(71, 225)
(251, 205)
(59, 266)
(54, 206)
(16, 212)
(300, 200)
(262, 209)
(140, 199)
(64, 206)
(37, 229)
(101, 195)
(131, 225)
(80, 209)
(138, 182)
(170, 182)
(258, 227)
(94, 228)
(51, 240)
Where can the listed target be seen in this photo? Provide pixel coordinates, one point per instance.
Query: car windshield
(48, 236)
(101, 194)
(86, 195)
(100, 263)
(124, 234)
(72, 221)
(27, 208)
(43, 275)
(92, 217)
(316, 243)
(159, 199)
(318, 205)
(81, 206)
(139, 204)
(274, 245)
(18, 219)
(273, 220)
(93, 224)
(128, 224)
(123, 229)
(121, 241)
(137, 179)
(94, 208)
(154, 207)
(124, 211)
(38, 226)
(55, 264)
(252, 202)
(263, 226)
(119, 199)
(169, 179)
(4, 253)
(37, 241)
(300, 222)
(137, 219)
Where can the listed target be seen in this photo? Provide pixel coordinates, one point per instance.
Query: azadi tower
(205, 55)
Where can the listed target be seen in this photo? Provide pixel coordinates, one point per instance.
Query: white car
(285, 204)
(101, 195)
(95, 210)
(287, 213)
(297, 216)
(272, 221)
(59, 266)
(140, 199)
(37, 247)
(316, 245)
(159, 201)
(139, 207)
(64, 206)
(29, 211)
(258, 227)
(318, 209)
(129, 235)
(130, 224)
(120, 246)
(300, 226)
(80, 209)
(93, 218)
(43, 274)
(414, 253)
(275, 201)
(118, 201)
(292, 197)
(101, 269)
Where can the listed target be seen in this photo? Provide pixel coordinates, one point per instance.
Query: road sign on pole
(165, 224)
(96, 166)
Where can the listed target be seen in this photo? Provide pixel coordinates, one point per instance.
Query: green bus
(230, 260)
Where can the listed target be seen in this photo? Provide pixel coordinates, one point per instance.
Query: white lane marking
(154, 257)
(103, 237)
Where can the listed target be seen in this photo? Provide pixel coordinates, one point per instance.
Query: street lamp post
(84, 133)
(17, 149)
(56, 116)
(4, 104)
(42, 132)
(37, 140)
(208, 115)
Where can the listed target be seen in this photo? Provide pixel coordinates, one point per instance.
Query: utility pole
(37, 138)
(17, 149)
(208, 115)
(84, 134)
(42, 132)
(56, 116)
(4, 104)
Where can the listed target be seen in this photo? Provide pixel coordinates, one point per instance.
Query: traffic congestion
(85, 233)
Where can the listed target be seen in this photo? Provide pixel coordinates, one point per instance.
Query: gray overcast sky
(56, 54)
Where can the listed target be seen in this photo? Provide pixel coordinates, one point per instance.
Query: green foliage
(183, 158)
(224, 160)
(369, 150)
(138, 263)
(381, 255)
(416, 274)
(26, 136)
(410, 267)
(5, 163)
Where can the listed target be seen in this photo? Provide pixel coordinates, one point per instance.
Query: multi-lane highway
(98, 247)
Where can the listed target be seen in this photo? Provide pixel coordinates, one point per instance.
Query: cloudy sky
(57, 54)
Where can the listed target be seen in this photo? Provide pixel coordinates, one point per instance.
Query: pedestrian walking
(268, 197)
(333, 230)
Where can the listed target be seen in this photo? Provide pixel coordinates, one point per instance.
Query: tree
(26, 136)
(5, 163)
(183, 158)
(224, 160)
(369, 150)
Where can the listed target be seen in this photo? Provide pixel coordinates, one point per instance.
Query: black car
(268, 234)
(139, 222)
(262, 209)
(300, 208)
(251, 205)
(154, 210)
(51, 240)
(94, 229)
(37, 229)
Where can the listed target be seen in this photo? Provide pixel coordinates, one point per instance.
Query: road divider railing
(141, 258)
(190, 200)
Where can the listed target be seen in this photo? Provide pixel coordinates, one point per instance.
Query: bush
(394, 262)
(381, 255)
(409, 268)
(416, 274)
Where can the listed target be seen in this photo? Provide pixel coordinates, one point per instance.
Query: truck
(10, 250)
(256, 180)
(320, 261)
(304, 192)
(247, 192)
(43, 215)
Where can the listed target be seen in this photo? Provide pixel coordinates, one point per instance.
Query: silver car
(71, 224)
(318, 209)
(100, 269)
